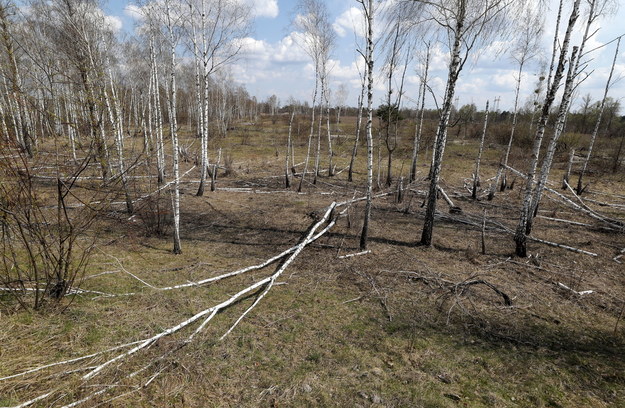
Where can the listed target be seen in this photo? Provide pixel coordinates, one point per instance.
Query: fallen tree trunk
(328, 218)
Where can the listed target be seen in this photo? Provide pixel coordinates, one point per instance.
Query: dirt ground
(401, 326)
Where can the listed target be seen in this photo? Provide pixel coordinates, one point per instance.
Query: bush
(43, 247)
(156, 215)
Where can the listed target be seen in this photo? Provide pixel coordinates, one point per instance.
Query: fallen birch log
(354, 254)
(329, 218)
(581, 224)
(562, 246)
(582, 293)
(612, 223)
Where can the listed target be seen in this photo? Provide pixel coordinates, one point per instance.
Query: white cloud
(114, 23)
(346, 72)
(287, 50)
(134, 12)
(351, 20)
(264, 8)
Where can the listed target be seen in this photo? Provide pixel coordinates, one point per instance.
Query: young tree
(340, 98)
(476, 175)
(213, 30)
(368, 14)
(361, 97)
(525, 49)
(423, 86)
(595, 131)
(555, 77)
(396, 42)
(318, 40)
(466, 24)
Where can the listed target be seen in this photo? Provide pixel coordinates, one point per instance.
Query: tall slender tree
(465, 24)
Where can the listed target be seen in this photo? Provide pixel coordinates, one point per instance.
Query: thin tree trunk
(520, 236)
(330, 151)
(512, 131)
(350, 173)
(419, 127)
(598, 123)
(116, 121)
(476, 176)
(318, 149)
(368, 10)
(567, 174)
(287, 179)
(173, 128)
(158, 116)
(310, 136)
(441, 133)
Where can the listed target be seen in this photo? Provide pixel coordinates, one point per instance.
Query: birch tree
(368, 14)
(476, 175)
(595, 131)
(166, 17)
(318, 40)
(465, 25)
(340, 98)
(526, 48)
(360, 107)
(214, 30)
(396, 41)
(14, 93)
(419, 125)
(596, 9)
(555, 78)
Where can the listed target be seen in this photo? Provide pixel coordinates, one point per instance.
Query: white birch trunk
(117, 123)
(476, 176)
(310, 136)
(158, 117)
(441, 133)
(173, 128)
(361, 97)
(419, 126)
(368, 11)
(289, 147)
(520, 236)
(517, 91)
(595, 131)
(567, 96)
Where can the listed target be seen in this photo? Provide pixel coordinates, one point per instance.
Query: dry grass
(384, 329)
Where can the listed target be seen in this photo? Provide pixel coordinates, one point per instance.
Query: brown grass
(385, 329)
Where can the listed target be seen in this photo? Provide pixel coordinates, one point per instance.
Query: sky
(273, 62)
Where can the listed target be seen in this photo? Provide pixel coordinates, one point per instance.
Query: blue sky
(274, 63)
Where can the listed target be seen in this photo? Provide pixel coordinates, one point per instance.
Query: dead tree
(595, 131)
(361, 97)
(525, 49)
(520, 237)
(596, 9)
(466, 24)
(476, 175)
(289, 147)
(318, 41)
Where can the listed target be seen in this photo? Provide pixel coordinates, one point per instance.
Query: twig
(354, 254)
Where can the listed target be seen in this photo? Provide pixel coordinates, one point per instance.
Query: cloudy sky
(275, 63)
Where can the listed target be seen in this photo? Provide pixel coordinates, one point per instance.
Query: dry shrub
(156, 215)
(42, 233)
